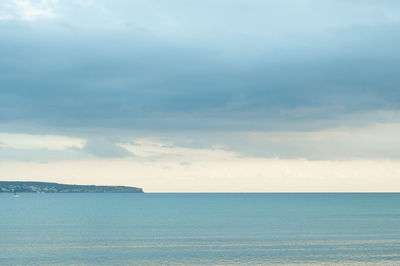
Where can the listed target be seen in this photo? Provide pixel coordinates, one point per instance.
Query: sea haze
(223, 229)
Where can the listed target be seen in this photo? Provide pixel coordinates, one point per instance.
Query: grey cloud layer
(76, 79)
(230, 65)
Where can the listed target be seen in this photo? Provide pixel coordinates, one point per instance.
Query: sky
(202, 96)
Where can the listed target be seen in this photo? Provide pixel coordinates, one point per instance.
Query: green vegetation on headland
(44, 187)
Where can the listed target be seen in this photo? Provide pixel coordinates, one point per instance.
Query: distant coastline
(46, 187)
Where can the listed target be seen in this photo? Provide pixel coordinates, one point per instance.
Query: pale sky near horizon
(202, 96)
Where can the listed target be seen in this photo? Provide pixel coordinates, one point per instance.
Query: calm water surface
(194, 229)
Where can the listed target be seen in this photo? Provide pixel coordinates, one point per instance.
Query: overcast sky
(238, 95)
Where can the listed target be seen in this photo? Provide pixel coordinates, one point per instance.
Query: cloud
(85, 3)
(152, 149)
(40, 148)
(28, 147)
(344, 143)
(104, 148)
(5, 17)
(141, 84)
(255, 66)
(28, 10)
(376, 141)
(49, 142)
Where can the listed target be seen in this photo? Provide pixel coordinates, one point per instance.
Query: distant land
(45, 187)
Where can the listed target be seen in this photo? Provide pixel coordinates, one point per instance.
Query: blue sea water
(200, 229)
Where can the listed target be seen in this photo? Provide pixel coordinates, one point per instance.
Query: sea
(200, 229)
